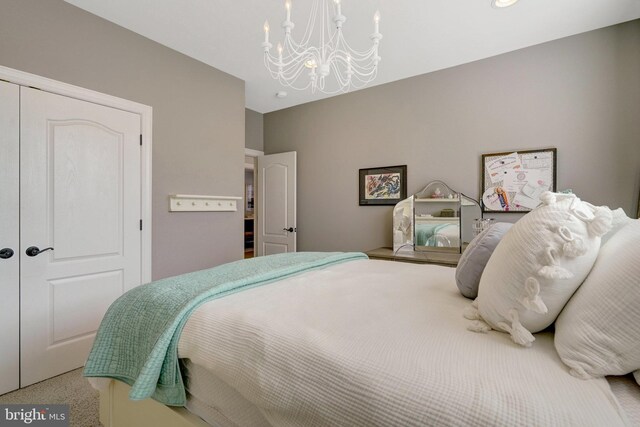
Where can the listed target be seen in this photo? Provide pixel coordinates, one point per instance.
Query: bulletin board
(513, 181)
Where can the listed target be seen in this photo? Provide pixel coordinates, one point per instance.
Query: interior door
(9, 237)
(80, 196)
(276, 197)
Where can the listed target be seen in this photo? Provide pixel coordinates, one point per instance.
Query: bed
(367, 343)
(438, 234)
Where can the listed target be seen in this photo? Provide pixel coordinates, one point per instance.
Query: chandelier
(332, 66)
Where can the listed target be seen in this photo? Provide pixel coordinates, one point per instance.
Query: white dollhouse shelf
(195, 203)
(436, 200)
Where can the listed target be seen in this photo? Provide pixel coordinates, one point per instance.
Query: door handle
(34, 250)
(290, 229)
(6, 253)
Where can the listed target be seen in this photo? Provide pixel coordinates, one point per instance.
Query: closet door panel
(86, 175)
(80, 195)
(9, 237)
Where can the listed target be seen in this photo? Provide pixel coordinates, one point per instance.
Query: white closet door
(80, 194)
(9, 237)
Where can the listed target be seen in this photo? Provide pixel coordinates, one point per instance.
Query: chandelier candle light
(333, 59)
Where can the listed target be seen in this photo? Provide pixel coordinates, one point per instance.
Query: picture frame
(513, 181)
(382, 186)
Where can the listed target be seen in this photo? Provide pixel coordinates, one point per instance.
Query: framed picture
(382, 186)
(513, 181)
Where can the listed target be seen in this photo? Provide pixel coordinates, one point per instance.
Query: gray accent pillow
(476, 256)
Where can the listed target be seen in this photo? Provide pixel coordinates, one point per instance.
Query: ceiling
(420, 36)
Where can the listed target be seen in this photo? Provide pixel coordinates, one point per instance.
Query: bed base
(116, 410)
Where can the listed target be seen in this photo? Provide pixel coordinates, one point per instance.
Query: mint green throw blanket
(137, 342)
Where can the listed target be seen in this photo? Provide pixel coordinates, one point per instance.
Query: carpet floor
(70, 388)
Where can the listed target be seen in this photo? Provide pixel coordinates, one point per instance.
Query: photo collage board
(513, 181)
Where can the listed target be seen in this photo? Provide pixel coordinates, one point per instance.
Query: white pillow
(598, 332)
(619, 219)
(538, 265)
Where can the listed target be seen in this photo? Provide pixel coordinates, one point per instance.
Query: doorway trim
(146, 116)
(249, 152)
(253, 153)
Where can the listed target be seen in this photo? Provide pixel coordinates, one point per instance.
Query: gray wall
(198, 117)
(254, 130)
(580, 94)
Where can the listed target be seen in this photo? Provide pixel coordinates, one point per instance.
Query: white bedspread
(379, 343)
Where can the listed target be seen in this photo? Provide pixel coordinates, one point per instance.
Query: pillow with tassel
(537, 266)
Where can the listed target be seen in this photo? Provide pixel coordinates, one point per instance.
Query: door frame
(146, 115)
(249, 152)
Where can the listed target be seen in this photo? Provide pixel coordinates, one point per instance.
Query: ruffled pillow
(598, 332)
(537, 266)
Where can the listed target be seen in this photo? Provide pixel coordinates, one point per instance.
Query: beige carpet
(70, 388)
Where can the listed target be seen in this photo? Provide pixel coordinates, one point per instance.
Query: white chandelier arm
(342, 81)
(354, 52)
(293, 86)
(289, 76)
(333, 92)
(363, 67)
(302, 51)
(274, 74)
(342, 41)
(348, 59)
(295, 54)
(364, 75)
(291, 80)
(288, 61)
(291, 46)
(290, 57)
(297, 83)
(352, 67)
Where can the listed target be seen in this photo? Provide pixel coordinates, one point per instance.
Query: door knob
(290, 229)
(34, 250)
(6, 253)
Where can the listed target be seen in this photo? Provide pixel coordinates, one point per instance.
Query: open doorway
(250, 160)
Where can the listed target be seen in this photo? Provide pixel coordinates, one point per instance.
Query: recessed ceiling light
(281, 94)
(502, 3)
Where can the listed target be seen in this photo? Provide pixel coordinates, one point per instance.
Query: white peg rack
(192, 203)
